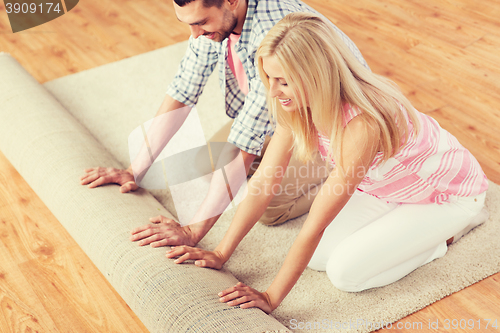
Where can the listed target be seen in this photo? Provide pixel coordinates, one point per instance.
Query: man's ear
(233, 4)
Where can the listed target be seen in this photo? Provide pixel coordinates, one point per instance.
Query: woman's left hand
(246, 297)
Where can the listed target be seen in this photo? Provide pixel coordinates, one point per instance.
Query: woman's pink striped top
(431, 168)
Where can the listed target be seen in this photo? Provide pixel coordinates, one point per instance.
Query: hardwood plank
(461, 65)
(45, 275)
(27, 232)
(486, 48)
(67, 285)
(94, 33)
(20, 310)
(477, 303)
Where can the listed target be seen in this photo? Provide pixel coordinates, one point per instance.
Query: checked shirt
(251, 119)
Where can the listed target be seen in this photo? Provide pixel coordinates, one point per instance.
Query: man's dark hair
(206, 3)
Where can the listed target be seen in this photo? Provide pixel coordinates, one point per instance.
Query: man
(227, 33)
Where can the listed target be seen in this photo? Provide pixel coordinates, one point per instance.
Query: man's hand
(162, 232)
(208, 259)
(100, 176)
(246, 297)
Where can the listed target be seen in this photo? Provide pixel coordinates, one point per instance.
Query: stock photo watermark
(24, 15)
(352, 324)
(171, 152)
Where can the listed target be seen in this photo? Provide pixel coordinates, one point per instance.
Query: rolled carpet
(50, 149)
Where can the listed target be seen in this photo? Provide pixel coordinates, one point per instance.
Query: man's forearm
(163, 127)
(169, 104)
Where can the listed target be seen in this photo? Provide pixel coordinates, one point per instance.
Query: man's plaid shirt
(251, 119)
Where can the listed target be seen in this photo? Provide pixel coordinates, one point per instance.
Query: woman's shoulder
(350, 112)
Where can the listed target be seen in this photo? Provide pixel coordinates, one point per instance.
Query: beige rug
(112, 100)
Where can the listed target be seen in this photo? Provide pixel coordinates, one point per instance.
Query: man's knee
(274, 216)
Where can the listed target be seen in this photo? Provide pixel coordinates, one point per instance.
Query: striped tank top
(430, 168)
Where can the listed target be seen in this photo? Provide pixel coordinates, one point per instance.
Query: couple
(401, 188)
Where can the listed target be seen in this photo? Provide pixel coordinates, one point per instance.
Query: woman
(401, 189)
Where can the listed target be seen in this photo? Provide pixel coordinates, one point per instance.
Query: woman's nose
(273, 89)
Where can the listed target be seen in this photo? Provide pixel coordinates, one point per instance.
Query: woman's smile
(285, 102)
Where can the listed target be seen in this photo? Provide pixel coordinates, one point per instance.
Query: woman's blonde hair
(325, 73)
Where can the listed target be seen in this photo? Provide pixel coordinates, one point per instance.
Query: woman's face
(278, 87)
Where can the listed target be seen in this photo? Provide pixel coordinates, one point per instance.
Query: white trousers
(372, 243)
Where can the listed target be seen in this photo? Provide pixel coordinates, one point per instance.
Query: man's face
(214, 23)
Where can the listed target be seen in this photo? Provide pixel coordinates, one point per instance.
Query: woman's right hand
(203, 258)
(94, 177)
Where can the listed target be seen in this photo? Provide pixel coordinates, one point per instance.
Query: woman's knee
(318, 260)
(345, 272)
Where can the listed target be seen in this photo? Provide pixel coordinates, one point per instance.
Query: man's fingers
(128, 186)
(99, 181)
(138, 230)
(143, 232)
(88, 178)
(163, 242)
(163, 219)
(149, 240)
(85, 176)
(156, 219)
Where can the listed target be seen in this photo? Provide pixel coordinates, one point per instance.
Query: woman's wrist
(224, 257)
(224, 251)
(273, 300)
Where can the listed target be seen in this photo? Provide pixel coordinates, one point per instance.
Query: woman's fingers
(182, 251)
(237, 297)
(232, 289)
(254, 304)
(202, 258)
(187, 256)
(206, 263)
(245, 297)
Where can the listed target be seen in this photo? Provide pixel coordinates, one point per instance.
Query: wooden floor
(444, 54)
